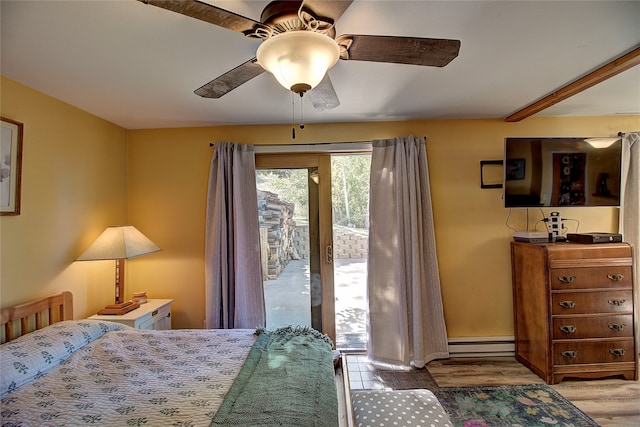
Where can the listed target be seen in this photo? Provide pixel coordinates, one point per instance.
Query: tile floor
(363, 375)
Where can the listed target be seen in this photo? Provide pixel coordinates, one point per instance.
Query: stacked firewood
(278, 226)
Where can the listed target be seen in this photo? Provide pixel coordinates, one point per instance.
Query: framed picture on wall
(10, 166)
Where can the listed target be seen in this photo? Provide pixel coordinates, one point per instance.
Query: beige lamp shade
(298, 59)
(121, 242)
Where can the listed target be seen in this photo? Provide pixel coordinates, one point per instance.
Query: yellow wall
(168, 172)
(73, 185)
(165, 173)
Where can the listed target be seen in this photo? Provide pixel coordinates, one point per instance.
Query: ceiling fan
(299, 45)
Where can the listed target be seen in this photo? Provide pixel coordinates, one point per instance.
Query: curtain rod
(211, 144)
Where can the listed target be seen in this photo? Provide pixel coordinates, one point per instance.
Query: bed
(59, 371)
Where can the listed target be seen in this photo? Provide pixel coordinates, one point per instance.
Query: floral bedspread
(102, 373)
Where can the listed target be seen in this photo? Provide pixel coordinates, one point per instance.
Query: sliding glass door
(350, 203)
(294, 204)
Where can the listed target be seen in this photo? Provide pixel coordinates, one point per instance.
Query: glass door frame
(325, 222)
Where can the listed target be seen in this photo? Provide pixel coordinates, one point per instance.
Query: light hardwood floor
(610, 402)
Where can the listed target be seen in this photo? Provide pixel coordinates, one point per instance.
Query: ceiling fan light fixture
(298, 59)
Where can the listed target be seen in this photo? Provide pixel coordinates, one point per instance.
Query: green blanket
(287, 380)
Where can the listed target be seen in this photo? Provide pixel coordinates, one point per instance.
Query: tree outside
(350, 189)
(290, 185)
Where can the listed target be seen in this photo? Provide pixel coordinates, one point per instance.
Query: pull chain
(301, 113)
(293, 116)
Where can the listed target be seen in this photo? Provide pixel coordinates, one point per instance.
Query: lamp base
(119, 309)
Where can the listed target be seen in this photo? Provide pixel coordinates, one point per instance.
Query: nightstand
(155, 314)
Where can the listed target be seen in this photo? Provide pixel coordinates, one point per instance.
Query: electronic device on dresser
(594, 237)
(574, 311)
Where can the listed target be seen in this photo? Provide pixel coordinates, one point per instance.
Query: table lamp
(119, 243)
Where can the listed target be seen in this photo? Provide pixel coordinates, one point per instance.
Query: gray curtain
(406, 320)
(234, 296)
(630, 203)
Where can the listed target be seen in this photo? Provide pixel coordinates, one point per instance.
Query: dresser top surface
(570, 250)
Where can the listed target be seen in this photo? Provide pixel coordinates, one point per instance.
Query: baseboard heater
(481, 346)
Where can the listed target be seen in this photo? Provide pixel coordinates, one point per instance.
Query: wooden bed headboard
(35, 315)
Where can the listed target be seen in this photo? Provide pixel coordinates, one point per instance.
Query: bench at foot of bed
(383, 408)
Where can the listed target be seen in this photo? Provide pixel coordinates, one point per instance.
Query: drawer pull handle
(567, 304)
(617, 327)
(616, 302)
(615, 277)
(155, 313)
(570, 354)
(569, 329)
(567, 279)
(617, 351)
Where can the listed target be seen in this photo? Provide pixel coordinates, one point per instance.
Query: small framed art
(10, 166)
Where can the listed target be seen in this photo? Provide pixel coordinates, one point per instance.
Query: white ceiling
(137, 65)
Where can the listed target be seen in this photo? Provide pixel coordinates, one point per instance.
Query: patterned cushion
(35, 353)
(392, 408)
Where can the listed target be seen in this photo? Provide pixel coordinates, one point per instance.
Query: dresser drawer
(580, 352)
(155, 318)
(620, 326)
(563, 303)
(591, 277)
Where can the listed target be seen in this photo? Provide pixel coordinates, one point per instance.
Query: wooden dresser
(573, 310)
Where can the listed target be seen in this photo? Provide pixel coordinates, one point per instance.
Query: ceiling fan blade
(208, 13)
(323, 96)
(230, 80)
(328, 9)
(399, 50)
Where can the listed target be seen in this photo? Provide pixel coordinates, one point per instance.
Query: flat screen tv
(557, 172)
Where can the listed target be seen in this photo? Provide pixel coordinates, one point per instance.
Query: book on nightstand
(119, 309)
